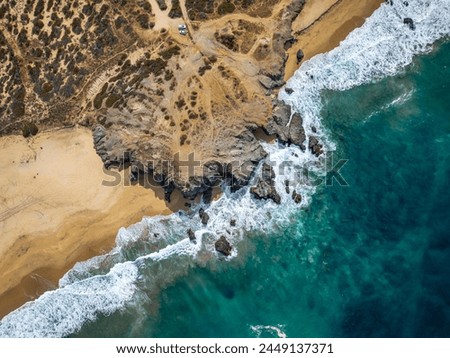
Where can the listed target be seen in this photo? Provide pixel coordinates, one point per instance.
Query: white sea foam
(102, 285)
(260, 329)
(66, 309)
(381, 47)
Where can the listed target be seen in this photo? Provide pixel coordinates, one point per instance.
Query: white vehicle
(182, 29)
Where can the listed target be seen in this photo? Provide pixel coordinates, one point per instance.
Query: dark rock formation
(300, 56)
(233, 222)
(286, 186)
(203, 216)
(191, 235)
(289, 42)
(223, 246)
(265, 185)
(314, 146)
(296, 197)
(293, 133)
(408, 21)
(289, 90)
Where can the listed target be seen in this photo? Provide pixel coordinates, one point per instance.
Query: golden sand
(54, 210)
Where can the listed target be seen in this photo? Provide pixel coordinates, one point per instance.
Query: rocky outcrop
(296, 197)
(265, 185)
(288, 130)
(300, 56)
(223, 246)
(203, 216)
(91, 65)
(269, 83)
(191, 235)
(314, 146)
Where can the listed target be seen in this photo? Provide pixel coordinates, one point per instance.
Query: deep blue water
(370, 259)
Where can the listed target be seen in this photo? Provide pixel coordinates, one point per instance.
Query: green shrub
(226, 7)
(29, 129)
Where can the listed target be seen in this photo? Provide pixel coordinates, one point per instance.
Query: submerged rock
(286, 186)
(223, 246)
(408, 21)
(191, 235)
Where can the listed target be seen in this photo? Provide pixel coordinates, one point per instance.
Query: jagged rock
(408, 21)
(207, 195)
(233, 222)
(265, 186)
(286, 186)
(269, 83)
(296, 197)
(223, 246)
(300, 55)
(314, 146)
(289, 90)
(294, 133)
(289, 42)
(191, 235)
(203, 216)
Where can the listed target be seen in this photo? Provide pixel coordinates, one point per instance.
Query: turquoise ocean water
(371, 259)
(368, 259)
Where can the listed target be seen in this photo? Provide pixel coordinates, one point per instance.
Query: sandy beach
(323, 24)
(54, 210)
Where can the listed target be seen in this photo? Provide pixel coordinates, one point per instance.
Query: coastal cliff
(182, 107)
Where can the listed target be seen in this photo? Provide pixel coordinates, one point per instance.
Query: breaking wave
(156, 250)
(275, 331)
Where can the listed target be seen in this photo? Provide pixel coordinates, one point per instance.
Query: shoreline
(73, 226)
(337, 17)
(83, 223)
